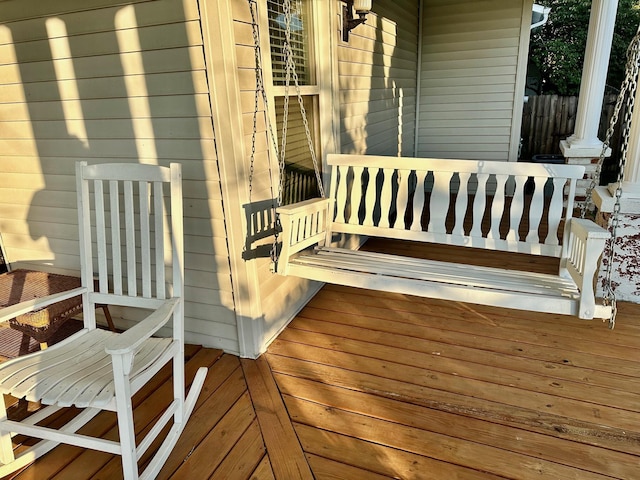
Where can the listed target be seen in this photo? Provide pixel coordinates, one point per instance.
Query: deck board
(376, 385)
(286, 455)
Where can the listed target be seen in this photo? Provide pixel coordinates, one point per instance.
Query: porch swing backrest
(499, 206)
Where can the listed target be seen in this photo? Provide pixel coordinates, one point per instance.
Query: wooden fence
(547, 119)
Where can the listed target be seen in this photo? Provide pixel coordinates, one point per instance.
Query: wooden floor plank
(95, 464)
(452, 382)
(325, 469)
(374, 458)
(514, 323)
(285, 452)
(499, 373)
(441, 447)
(611, 358)
(244, 458)
(220, 442)
(509, 439)
(263, 471)
(226, 388)
(543, 360)
(460, 404)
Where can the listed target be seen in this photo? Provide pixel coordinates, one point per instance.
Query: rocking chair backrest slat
(114, 194)
(134, 218)
(130, 235)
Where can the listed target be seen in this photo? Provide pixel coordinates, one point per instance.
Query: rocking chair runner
(101, 370)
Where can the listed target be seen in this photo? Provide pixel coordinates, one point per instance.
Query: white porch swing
(498, 206)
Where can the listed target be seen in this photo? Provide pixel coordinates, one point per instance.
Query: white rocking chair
(97, 369)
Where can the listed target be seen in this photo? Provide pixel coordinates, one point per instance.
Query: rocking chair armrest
(34, 304)
(130, 340)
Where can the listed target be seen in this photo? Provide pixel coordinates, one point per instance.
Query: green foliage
(557, 48)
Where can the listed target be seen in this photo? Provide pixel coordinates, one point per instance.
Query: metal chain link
(260, 91)
(627, 94)
(290, 72)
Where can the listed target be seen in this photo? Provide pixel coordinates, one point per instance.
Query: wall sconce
(348, 22)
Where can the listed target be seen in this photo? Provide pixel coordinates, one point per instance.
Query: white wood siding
(104, 81)
(469, 89)
(277, 298)
(377, 81)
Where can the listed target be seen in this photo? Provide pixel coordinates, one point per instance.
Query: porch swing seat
(498, 206)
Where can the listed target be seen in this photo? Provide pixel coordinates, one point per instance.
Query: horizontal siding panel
(436, 108)
(364, 83)
(108, 149)
(475, 54)
(459, 47)
(367, 70)
(463, 149)
(470, 123)
(116, 129)
(480, 134)
(466, 98)
(482, 81)
(507, 70)
(40, 214)
(100, 19)
(489, 62)
(183, 59)
(42, 257)
(158, 37)
(481, 141)
(469, 90)
(469, 66)
(377, 81)
(15, 10)
(123, 108)
(373, 95)
(177, 83)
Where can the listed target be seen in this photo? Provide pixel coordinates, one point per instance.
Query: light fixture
(362, 7)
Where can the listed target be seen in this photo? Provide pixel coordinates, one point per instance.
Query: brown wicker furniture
(20, 285)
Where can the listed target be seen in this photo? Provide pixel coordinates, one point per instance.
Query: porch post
(584, 142)
(584, 147)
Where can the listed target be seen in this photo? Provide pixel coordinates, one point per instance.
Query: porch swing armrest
(303, 225)
(588, 229)
(586, 244)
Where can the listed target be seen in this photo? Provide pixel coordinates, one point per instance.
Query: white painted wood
(98, 369)
(502, 192)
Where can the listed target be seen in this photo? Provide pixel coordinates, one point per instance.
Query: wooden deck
(368, 385)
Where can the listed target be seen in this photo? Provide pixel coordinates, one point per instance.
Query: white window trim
(325, 59)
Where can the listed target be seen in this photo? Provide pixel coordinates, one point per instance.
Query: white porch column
(584, 143)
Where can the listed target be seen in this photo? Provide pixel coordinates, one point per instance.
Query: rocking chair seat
(77, 371)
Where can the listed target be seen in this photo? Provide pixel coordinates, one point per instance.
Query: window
(300, 181)
(300, 40)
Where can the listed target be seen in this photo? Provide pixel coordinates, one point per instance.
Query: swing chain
(628, 93)
(260, 89)
(291, 73)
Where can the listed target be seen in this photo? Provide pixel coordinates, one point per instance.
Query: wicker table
(20, 285)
